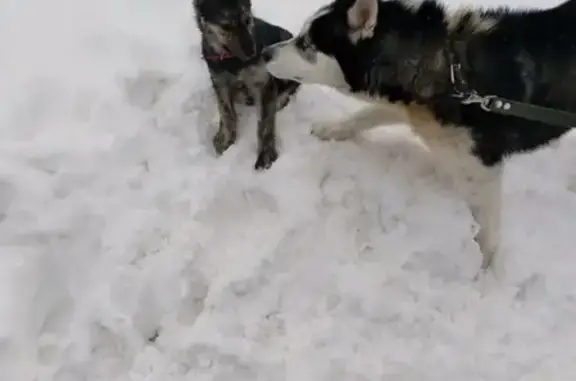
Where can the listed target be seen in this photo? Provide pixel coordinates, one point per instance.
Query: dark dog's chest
(250, 77)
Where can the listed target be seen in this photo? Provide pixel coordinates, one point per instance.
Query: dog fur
(392, 53)
(232, 40)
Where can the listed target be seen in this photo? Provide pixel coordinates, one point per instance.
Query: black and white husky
(401, 56)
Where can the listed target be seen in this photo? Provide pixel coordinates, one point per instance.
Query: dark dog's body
(395, 52)
(232, 40)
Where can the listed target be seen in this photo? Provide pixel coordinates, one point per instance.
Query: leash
(500, 105)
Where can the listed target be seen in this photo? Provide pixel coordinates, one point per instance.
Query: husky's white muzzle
(285, 60)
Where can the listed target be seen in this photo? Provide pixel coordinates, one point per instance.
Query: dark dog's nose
(267, 55)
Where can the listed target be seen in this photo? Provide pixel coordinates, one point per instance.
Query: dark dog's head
(227, 26)
(366, 45)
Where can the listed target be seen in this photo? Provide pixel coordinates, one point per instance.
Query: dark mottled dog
(403, 53)
(232, 39)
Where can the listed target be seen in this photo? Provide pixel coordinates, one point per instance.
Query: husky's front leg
(365, 119)
(267, 153)
(486, 207)
(481, 186)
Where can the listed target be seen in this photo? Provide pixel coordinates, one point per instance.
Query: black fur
(528, 56)
(232, 40)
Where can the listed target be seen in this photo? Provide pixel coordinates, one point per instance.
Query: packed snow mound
(131, 252)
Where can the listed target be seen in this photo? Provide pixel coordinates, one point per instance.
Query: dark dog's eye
(226, 25)
(247, 20)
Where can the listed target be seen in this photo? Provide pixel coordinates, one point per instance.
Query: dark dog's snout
(242, 45)
(245, 43)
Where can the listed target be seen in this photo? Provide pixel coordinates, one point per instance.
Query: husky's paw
(487, 258)
(331, 131)
(266, 158)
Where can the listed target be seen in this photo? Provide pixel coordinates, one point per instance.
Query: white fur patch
(476, 24)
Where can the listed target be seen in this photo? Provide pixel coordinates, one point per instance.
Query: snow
(130, 252)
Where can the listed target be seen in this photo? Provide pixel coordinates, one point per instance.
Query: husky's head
(365, 45)
(317, 53)
(227, 26)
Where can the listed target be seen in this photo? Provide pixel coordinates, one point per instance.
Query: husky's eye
(303, 43)
(306, 48)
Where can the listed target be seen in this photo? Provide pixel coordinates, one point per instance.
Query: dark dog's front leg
(267, 153)
(227, 131)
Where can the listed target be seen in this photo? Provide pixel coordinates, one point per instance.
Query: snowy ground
(130, 252)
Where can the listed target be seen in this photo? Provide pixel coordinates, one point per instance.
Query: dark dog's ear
(362, 17)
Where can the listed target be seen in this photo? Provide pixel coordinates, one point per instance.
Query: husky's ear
(362, 17)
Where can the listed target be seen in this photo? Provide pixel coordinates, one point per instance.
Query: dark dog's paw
(222, 141)
(266, 158)
(245, 99)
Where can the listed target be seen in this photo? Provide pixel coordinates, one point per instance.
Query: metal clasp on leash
(483, 101)
(462, 92)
